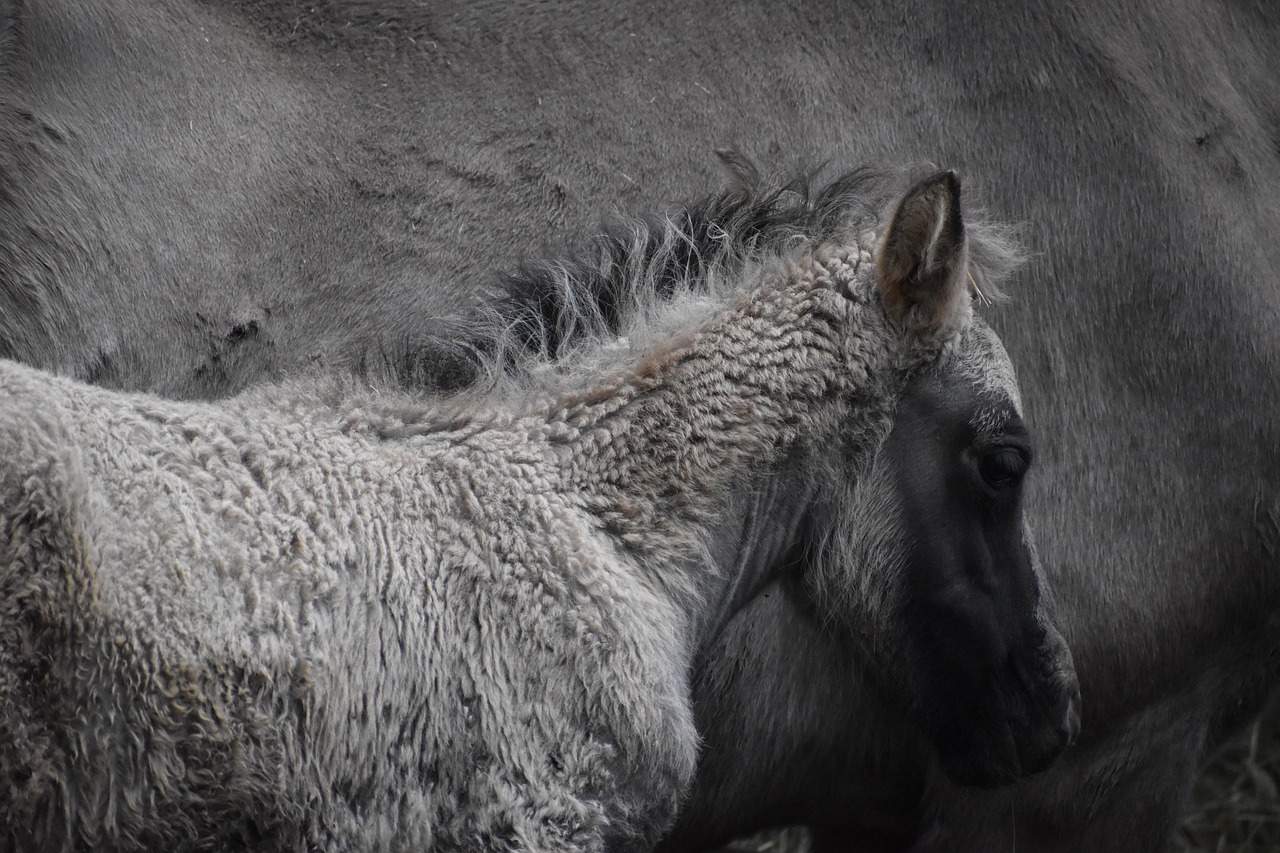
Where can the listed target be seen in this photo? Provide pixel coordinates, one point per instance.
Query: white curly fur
(322, 617)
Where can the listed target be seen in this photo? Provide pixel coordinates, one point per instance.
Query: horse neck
(655, 454)
(758, 536)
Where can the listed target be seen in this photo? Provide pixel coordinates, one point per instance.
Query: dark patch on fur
(350, 22)
(241, 332)
(11, 22)
(220, 369)
(101, 369)
(440, 361)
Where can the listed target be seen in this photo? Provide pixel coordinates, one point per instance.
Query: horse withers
(320, 616)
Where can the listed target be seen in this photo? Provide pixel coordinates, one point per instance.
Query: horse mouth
(1012, 749)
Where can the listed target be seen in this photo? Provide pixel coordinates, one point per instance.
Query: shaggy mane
(649, 276)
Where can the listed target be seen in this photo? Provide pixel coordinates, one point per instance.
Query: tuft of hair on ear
(923, 257)
(741, 172)
(996, 252)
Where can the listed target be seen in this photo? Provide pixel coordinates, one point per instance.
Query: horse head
(905, 518)
(928, 557)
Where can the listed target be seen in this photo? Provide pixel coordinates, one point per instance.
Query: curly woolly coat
(311, 617)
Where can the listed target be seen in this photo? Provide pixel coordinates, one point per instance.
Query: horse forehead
(973, 383)
(980, 359)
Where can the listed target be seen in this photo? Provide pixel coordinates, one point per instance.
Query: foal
(316, 618)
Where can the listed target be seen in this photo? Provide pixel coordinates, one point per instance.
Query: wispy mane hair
(640, 276)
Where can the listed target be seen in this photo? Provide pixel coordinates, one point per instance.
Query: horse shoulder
(555, 606)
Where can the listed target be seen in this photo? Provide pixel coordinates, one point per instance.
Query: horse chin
(1007, 751)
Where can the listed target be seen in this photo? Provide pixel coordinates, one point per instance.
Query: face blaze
(991, 679)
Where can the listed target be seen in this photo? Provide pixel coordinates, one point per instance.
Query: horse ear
(923, 259)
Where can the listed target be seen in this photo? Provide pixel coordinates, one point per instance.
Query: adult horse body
(195, 195)
(304, 618)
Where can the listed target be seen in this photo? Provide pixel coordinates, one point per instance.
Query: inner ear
(922, 261)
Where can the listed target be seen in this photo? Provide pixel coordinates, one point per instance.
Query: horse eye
(1002, 468)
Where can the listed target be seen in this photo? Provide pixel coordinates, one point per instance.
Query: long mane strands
(640, 271)
(643, 277)
(547, 307)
